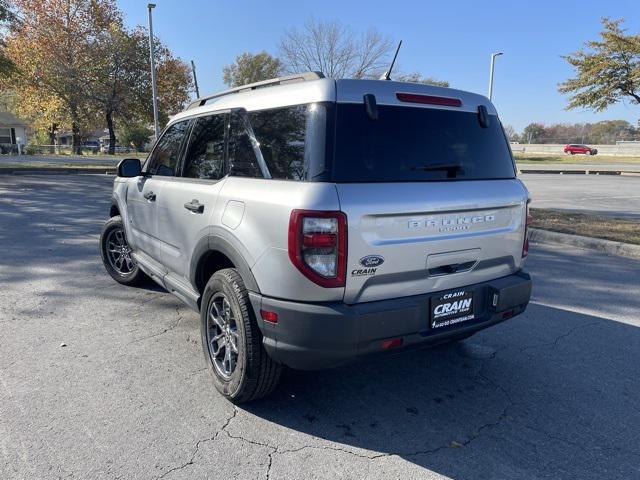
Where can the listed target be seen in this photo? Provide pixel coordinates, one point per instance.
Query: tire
(227, 320)
(112, 238)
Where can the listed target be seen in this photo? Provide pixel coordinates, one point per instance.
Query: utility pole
(195, 79)
(154, 90)
(493, 61)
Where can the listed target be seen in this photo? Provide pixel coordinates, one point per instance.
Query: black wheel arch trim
(114, 205)
(217, 243)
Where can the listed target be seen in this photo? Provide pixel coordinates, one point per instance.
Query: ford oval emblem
(372, 261)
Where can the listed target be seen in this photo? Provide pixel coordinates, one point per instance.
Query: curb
(57, 171)
(609, 247)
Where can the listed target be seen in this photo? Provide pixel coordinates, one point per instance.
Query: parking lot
(601, 194)
(102, 381)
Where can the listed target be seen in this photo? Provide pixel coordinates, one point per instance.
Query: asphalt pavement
(599, 194)
(102, 381)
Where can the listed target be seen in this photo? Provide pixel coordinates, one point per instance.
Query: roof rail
(298, 77)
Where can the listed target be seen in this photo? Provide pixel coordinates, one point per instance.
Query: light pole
(493, 61)
(154, 91)
(195, 79)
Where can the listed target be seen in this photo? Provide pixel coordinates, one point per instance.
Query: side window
(204, 156)
(281, 136)
(165, 155)
(242, 158)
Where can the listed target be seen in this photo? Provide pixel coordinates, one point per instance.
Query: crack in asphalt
(275, 450)
(168, 329)
(199, 443)
(554, 343)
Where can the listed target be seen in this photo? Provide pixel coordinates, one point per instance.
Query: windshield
(408, 144)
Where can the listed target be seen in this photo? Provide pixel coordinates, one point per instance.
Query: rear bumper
(314, 336)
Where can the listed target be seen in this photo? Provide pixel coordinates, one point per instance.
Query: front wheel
(232, 342)
(116, 254)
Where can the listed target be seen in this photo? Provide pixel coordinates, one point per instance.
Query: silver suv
(314, 221)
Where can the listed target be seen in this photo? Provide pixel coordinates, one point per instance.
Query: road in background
(553, 393)
(599, 194)
(102, 160)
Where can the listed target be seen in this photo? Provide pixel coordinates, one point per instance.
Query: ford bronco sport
(314, 221)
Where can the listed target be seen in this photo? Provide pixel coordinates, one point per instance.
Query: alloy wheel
(119, 252)
(222, 335)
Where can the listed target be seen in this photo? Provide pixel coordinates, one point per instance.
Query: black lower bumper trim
(315, 336)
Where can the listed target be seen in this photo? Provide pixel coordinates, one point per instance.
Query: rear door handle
(194, 206)
(150, 196)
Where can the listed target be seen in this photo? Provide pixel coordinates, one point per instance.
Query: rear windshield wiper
(451, 168)
(438, 166)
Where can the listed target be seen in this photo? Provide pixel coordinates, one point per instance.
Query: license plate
(451, 308)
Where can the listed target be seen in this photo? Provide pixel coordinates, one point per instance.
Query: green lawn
(597, 226)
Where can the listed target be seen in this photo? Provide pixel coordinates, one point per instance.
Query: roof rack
(298, 77)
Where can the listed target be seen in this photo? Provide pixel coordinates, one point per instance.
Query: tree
(607, 72)
(335, 50)
(175, 84)
(136, 135)
(511, 134)
(533, 133)
(118, 76)
(417, 77)
(120, 86)
(611, 131)
(8, 21)
(51, 52)
(249, 68)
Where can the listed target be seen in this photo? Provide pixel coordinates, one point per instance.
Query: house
(13, 131)
(92, 140)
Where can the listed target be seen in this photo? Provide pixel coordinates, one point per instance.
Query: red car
(575, 148)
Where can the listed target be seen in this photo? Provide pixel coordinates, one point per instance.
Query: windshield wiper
(438, 166)
(450, 168)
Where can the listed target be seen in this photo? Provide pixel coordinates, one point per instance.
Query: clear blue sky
(448, 40)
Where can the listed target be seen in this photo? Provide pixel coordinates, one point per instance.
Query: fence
(621, 149)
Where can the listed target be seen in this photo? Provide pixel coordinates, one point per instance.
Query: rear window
(408, 144)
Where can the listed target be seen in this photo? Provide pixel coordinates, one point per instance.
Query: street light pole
(195, 79)
(154, 91)
(493, 61)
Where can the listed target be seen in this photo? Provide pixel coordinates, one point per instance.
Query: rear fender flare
(218, 243)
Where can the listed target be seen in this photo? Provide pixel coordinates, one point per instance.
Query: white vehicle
(314, 221)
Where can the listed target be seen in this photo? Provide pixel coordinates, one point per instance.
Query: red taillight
(319, 240)
(392, 343)
(528, 222)
(318, 246)
(268, 316)
(429, 99)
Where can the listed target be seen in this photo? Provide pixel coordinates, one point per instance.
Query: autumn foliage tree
(120, 86)
(51, 52)
(79, 67)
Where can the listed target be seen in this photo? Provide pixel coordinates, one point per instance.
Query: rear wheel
(116, 254)
(232, 341)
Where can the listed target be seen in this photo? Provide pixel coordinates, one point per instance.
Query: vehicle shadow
(552, 394)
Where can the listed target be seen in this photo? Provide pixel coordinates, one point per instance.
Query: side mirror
(129, 167)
